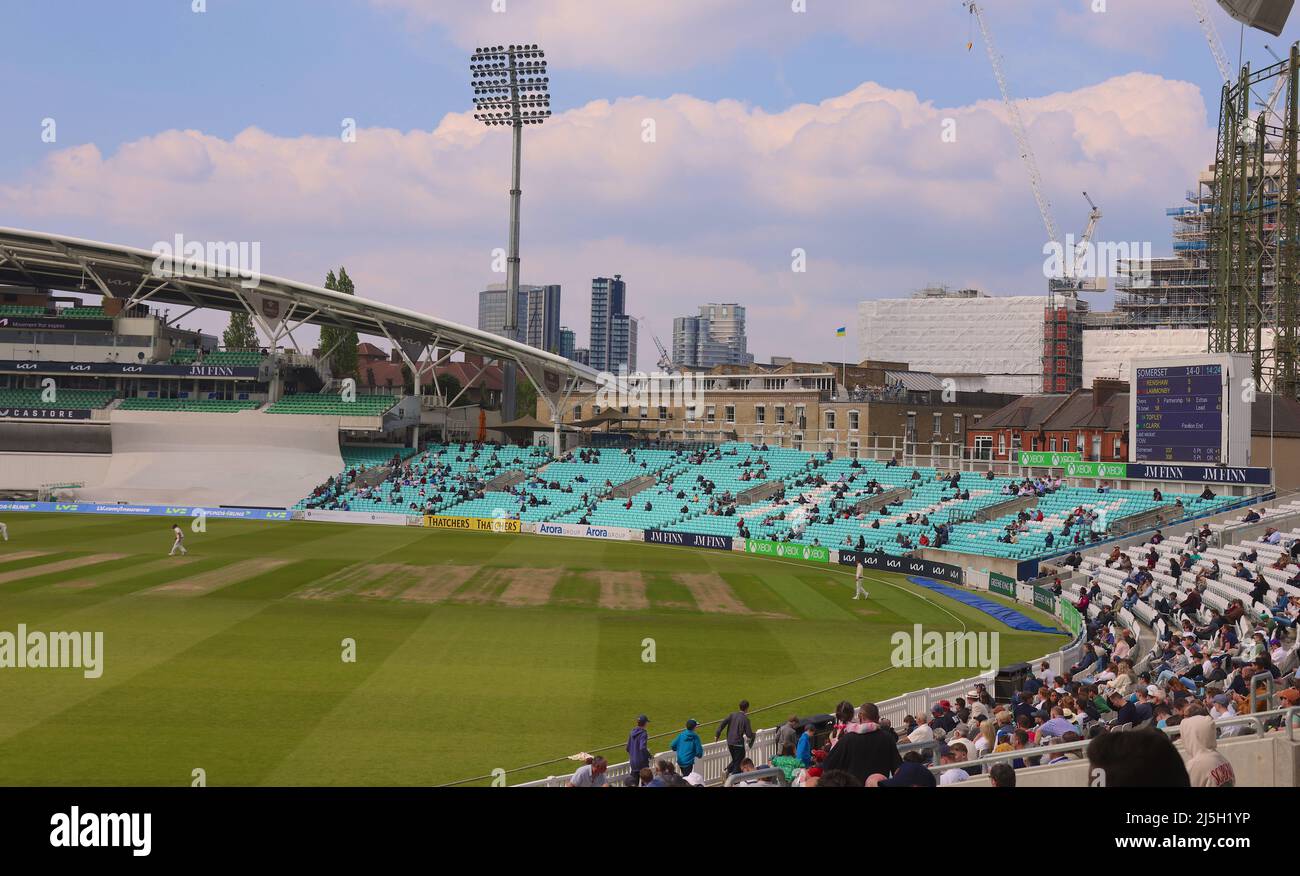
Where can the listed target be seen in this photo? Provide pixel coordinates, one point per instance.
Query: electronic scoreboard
(1192, 409)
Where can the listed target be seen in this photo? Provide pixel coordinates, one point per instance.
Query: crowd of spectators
(1116, 707)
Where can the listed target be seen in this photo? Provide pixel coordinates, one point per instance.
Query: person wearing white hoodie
(1206, 768)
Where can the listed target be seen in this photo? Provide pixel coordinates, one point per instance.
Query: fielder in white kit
(179, 543)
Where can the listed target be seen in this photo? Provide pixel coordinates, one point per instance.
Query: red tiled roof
(464, 373)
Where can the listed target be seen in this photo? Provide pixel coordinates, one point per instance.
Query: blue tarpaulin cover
(1004, 613)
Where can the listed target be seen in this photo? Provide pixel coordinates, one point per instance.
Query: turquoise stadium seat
(552, 491)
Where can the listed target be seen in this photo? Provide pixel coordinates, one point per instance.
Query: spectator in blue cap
(688, 747)
(638, 745)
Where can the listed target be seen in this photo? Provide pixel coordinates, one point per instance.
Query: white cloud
(710, 211)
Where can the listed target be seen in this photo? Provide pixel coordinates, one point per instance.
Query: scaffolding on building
(1253, 256)
(1171, 291)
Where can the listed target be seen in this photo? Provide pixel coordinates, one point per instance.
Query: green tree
(449, 385)
(339, 345)
(525, 398)
(240, 334)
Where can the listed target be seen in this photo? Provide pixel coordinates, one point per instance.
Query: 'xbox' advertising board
(1047, 459)
(813, 554)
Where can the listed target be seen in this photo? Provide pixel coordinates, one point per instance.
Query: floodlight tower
(511, 88)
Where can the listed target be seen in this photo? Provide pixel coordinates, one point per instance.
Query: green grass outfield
(474, 651)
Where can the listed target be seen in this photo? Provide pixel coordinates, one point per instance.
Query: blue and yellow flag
(841, 331)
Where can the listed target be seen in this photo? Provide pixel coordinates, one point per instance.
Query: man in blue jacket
(805, 750)
(638, 746)
(688, 747)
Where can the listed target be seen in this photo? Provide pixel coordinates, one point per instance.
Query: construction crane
(665, 363)
(1277, 87)
(1212, 37)
(1225, 67)
(1062, 331)
(1077, 282)
(1070, 283)
(1017, 126)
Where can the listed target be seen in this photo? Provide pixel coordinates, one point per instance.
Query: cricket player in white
(4, 530)
(859, 592)
(179, 543)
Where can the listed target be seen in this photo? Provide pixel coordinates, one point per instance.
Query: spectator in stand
(1137, 759)
(1001, 775)
(1206, 768)
(638, 745)
(863, 753)
(1045, 673)
(747, 766)
(943, 717)
(1144, 708)
(591, 774)
(1058, 725)
(1024, 700)
(739, 733)
(921, 733)
(845, 716)
(666, 777)
(788, 733)
(1017, 741)
(688, 747)
(788, 763)
(952, 755)
(1126, 712)
(804, 751)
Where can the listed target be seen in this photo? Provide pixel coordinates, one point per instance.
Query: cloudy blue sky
(775, 130)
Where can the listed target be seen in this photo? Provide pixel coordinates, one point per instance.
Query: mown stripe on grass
(279, 583)
(235, 703)
(813, 594)
(576, 589)
(457, 670)
(54, 604)
(86, 574)
(27, 559)
(45, 569)
(151, 575)
(137, 635)
(665, 591)
(757, 596)
(197, 585)
(484, 586)
(129, 569)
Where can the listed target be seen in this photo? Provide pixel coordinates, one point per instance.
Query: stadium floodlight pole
(511, 88)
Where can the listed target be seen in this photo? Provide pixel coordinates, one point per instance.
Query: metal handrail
(1258, 720)
(762, 774)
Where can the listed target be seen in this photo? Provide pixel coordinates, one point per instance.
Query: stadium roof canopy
(55, 263)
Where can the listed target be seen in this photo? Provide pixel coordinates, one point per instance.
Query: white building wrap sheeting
(249, 458)
(1110, 352)
(955, 336)
(1015, 384)
(31, 471)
